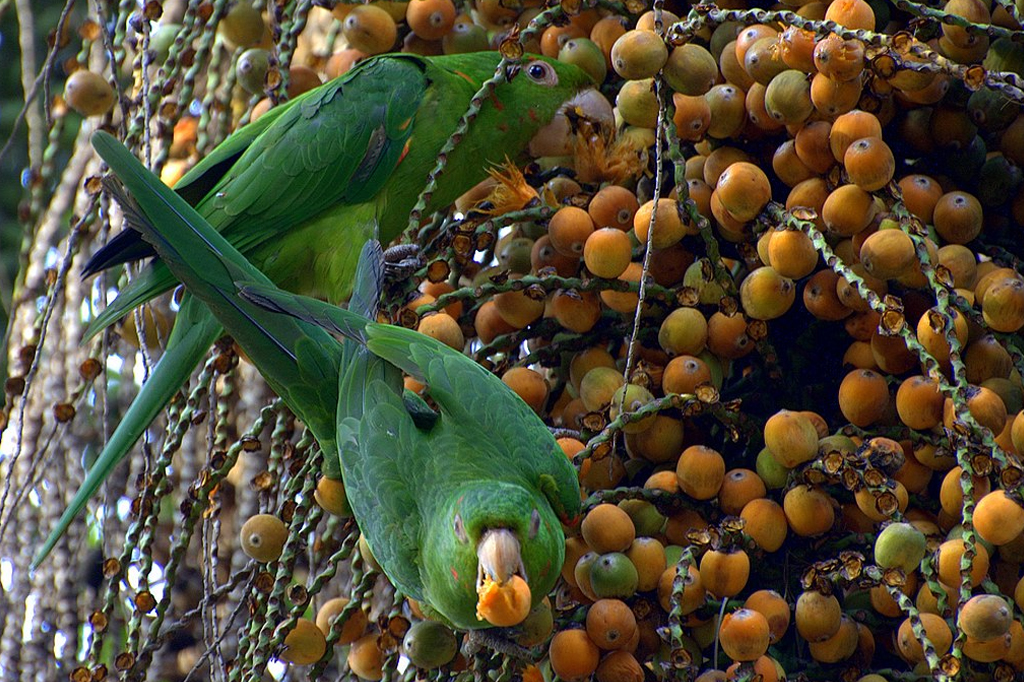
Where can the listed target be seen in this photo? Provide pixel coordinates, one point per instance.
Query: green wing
(468, 394)
(383, 481)
(334, 146)
(299, 360)
(379, 441)
(337, 146)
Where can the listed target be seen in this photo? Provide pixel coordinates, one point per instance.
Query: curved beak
(553, 139)
(498, 557)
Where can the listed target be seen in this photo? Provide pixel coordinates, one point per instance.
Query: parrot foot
(478, 639)
(401, 261)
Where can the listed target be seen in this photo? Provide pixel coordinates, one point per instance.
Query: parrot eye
(542, 72)
(534, 523)
(460, 530)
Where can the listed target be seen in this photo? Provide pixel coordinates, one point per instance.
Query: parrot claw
(476, 640)
(401, 261)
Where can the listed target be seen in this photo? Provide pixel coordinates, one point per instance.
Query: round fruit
(668, 226)
(252, 68)
(744, 635)
(613, 206)
(889, 253)
(353, 627)
(569, 229)
(766, 523)
(1003, 307)
(370, 29)
(900, 545)
(444, 328)
(701, 471)
(607, 252)
(365, 657)
(607, 528)
(619, 666)
(818, 616)
(304, 644)
(958, 217)
(683, 332)
(430, 19)
(585, 54)
(690, 69)
(263, 537)
(613, 575)
(853, 14)
(429, 644)
(242, 25)
(639, 54)
(765, 294)
(791, 438)
(724, 573)
(89, 93)
(648, 556)
(919, 402)
(573, 655)
(744, 190)
(863, 397)
(848, 210)
(949, 555)
(792, 253)
(998, 518)
(788, 98)
(809, 511)
(985, 617)
(529, 385)
(935, 629)
(610, 624)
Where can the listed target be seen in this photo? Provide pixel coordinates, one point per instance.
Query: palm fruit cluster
(769, 291)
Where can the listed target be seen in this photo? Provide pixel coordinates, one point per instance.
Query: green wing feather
(332, 147)
(211, 269)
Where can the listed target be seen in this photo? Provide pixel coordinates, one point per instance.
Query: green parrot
(473, 494)
(301, 188)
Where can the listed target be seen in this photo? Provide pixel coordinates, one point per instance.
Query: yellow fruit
(89, 93)
(305, 644)
(263, 537)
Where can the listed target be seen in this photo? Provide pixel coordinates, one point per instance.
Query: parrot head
(534, 93)
(492, 533)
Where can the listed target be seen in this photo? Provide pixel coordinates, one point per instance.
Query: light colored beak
(498, 557)
(553, 139)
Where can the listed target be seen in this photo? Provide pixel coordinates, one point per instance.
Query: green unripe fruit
(465, 36)
(900, 545)
(690, 70)
(613, 575)
(251, 70)
(429, 644)
(242, 25)
(629, 398)
(770, 470)
(538, 625)
(585, 53)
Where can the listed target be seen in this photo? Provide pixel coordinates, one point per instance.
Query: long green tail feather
(209, 271)
(183, 353)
